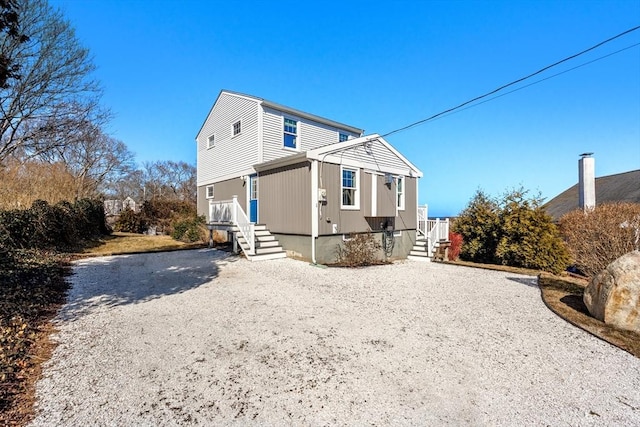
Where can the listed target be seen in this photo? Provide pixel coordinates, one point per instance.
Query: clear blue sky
(381, 66)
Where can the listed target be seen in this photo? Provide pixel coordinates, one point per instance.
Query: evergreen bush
(514, 231)
(190, 229)
(131, 222)
(479, 226)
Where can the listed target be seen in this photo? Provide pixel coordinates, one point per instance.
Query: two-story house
(309, 181)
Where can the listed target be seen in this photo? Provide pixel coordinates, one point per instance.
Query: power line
(540, 81)
(514, 82)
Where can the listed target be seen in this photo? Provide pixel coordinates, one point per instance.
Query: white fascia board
(321, 152)
(260, 133)
(249, 171)
(370, 167)
(228, 92)
(281, 161)
(325, 153)
(312, 117)
(401, 157)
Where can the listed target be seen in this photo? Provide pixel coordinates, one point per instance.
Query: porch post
(234, 209)
(314, 208)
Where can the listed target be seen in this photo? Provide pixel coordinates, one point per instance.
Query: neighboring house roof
(334, 153)
(289, 110)
(621, 187)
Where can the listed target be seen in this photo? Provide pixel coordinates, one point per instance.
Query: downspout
(314, 208)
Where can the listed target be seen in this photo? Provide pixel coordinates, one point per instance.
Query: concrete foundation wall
(299, 246)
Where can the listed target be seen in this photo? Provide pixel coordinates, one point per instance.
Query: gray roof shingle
(621, 187)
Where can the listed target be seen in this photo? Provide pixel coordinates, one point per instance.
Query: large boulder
(613, 295)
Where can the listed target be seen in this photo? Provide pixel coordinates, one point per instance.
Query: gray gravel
(198, 337)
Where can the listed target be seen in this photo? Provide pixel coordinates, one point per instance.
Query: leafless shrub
(598, 237)
(24, 183)
(360, 250)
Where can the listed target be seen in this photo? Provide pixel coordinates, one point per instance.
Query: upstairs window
(342, 137)
(350, 189)
(290, 133)
(209, 191)
(211, 141)
(400, 193)
(237, 128)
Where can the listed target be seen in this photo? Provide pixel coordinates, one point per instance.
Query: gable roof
(334, 153)
(621, 187)
(288, 110)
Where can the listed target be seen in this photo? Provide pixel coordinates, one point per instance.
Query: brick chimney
(586, 181)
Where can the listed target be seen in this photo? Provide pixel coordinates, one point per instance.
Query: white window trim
(401, 207)
(233, 135)
(211, 140)
(356, 206)
(297, 134)
(206, 191)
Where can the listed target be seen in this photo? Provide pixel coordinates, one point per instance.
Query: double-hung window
(209, 192)
(350, 189)
(211, 141)
(400, 193)
(290, 133)
(237, 128)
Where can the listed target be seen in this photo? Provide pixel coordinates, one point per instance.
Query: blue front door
(253, 198)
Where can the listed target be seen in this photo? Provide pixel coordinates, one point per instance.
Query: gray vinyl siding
(377, 157)
(311, 134)
(408, 218)
(386, 198)
(348, 221)
(272, 136)
(224, 190)
(285, 199)
(230, 154)
(202, 203)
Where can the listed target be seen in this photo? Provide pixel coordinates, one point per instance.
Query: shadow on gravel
(529, 281)
(100, 283)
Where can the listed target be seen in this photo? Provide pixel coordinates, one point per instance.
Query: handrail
(422, 220)
(230, 211)
(246, 227)
(437, 230)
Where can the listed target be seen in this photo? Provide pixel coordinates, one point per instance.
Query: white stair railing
(230, 211)
(422, 220)
(246, 227)
(436, 230)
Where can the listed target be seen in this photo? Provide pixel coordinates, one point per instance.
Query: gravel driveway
(199, 337)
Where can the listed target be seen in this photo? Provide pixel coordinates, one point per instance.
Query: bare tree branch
(55, 79)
